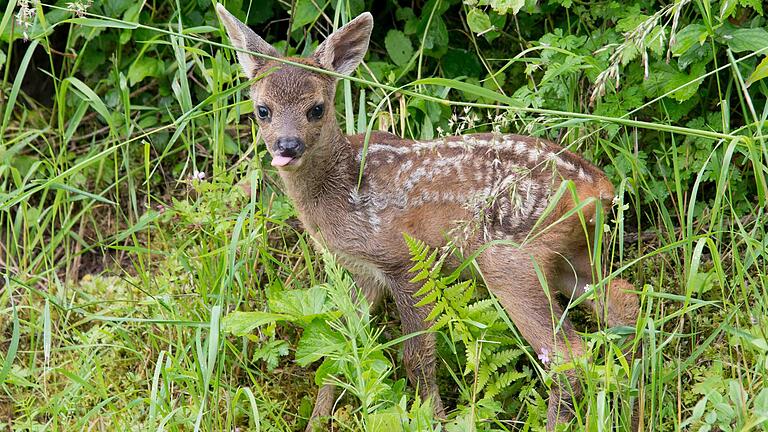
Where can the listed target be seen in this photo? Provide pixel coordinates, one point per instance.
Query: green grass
(122, 269)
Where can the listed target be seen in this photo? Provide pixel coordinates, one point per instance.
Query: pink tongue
(279, 161)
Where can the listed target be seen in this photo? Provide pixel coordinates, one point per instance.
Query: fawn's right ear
(244, 38)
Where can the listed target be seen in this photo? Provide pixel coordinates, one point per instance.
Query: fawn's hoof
(322, 410)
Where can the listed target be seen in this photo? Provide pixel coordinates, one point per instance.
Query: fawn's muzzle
(287, 150)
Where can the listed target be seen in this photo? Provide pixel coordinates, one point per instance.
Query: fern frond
(504, 358)
(502, 381)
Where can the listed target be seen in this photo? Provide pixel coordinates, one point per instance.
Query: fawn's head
(295, 106)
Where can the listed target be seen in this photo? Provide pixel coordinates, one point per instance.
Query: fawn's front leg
(419, 353)
(373, 289)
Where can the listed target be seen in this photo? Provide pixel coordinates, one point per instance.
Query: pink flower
(544, 356)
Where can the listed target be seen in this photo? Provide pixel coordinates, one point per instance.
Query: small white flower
(616, 199)
(587, 287)
(26, 16)
(198, 175)
(544, 356)
(79, 8)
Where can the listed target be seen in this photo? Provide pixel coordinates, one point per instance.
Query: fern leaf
(428, 299)
(436, 311)
(428, 286)
(502, 381)
(423, 274)
(441, 322)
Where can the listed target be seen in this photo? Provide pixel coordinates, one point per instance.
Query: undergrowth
(155, 277)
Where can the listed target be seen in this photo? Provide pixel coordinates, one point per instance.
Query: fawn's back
(472, 188)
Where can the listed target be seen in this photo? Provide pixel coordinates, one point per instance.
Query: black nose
(289, 146)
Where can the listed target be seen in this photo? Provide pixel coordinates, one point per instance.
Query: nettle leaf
(302, 305)
(478, 21)
(668, 78)
(328, 368)
(761, 71)
(259, 12)
(436, 40)
(460, 62)
(694, 55)
(385, 421)
(504, 6)
(409, 17)
(746, 39)
(687, 37)
(242, 323)
(399, 47)
(304, 13)
(318, 341)
(144, 67)
(356, 7)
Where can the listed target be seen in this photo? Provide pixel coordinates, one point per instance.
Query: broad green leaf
(747, 39)
(761, 71)
(761, 403)
(760, 343)
(681, 85)
(260, 12)
(305, 12)
(478, 21)
(327, 368)
(436, 39)
(385, 421)
(300, 304)
(242, 323)
(460, 62)
(144, 67)
(687, 37)
(504, 6)
(318, 341)
(398, 47)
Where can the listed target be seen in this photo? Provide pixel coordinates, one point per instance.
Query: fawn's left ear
(345, 48)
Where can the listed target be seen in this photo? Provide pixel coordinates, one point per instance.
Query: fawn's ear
(345, 48)
(244, 38)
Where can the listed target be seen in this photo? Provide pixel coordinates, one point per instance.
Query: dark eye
(316, 112)
(262, 112)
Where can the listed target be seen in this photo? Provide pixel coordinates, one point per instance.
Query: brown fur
(468, 190)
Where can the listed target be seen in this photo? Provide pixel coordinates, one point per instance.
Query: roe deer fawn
(470, 189)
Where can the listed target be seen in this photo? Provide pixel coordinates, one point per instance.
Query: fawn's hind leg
(616, 305)
(509, 273)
